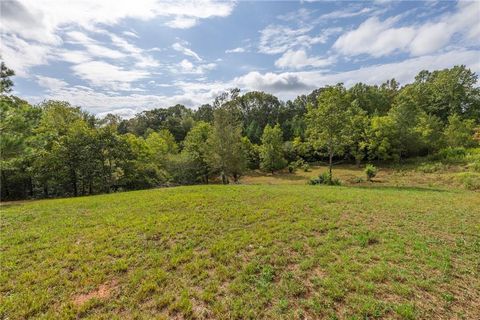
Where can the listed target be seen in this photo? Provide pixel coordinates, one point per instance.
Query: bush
(306, 167)
(326, 179)
(431, 167)
(357, 180)
(470, 180)
(292, 167)
(474, 166)
(370, 171)
(451, 155)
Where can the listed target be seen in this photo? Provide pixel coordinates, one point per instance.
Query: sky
(123, 57)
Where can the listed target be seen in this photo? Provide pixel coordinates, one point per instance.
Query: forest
(55, 149)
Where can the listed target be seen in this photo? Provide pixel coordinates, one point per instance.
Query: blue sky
(128, 56)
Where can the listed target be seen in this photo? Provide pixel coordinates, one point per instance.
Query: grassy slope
(244, 251)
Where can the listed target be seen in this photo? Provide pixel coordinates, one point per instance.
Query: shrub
(474, 166)
(292, 167)
(451, 155)
(324, 178)
(470, 180)
(306, 167)
(431, 167)
(357, 180)
(370, 171)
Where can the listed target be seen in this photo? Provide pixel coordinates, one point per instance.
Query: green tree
(459, 132)
(225, 143)
(326, 123)
(446, 92)
(6, 83)
(195, 145)
(271, 150)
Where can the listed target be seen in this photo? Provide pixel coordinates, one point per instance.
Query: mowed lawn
(244, 251)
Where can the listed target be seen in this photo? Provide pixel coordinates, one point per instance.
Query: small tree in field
(271, 152)
(327, 123)
(370, 171)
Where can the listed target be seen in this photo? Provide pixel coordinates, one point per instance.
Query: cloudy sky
(128, 56)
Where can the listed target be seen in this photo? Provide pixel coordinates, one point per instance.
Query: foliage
(195, 146)
(326, 125)
(459, 132)
(370, 171)
(225, 144)
(6, 83)
(56, 149)
(326, 179)
(271, 151)
(470, 180)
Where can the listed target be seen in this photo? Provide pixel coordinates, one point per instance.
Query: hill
(244, 251)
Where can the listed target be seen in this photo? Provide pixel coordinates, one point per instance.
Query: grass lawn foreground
(244, 251)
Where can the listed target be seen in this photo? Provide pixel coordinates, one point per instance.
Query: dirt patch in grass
(104, 291)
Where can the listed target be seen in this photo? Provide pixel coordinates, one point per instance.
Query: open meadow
(244, 251)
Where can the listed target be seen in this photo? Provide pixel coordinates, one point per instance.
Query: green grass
(245, 251)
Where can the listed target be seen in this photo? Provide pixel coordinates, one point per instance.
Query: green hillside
(244, 251)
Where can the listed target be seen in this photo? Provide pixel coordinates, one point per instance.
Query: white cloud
(105, 75)
(186, 66)
(93, 48)
(181, 47)
(288, 85)
(236, 50)
(51, 83)
(379, 38)
(33, 30)
(182, 22)
(273, 82)
(276, 39)
(21, 55)
(130, 34)
(40, 20)
(345, 13)
(375, 37)
(299, 60)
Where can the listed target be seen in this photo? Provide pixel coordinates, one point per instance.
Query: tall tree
(326, 122)
(195, 145)
(226, 141)
(271, 150)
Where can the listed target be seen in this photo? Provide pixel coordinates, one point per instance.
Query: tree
(6, 83)
(225, 143)
(204, 113)
(271, 150)
(326, 123)
(195, 146)
(446, 92)
(258, 109)
(459, 132)
(357, 131)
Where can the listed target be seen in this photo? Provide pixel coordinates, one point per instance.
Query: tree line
(54, 149)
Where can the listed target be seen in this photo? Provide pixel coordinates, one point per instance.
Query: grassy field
(407, 175)
(244, 251)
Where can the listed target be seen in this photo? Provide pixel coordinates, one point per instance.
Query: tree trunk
(5, 185)
(224, 178)
(45, 190)
(73, 180)
(90, 187)
(31, 186)
(358, 161)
